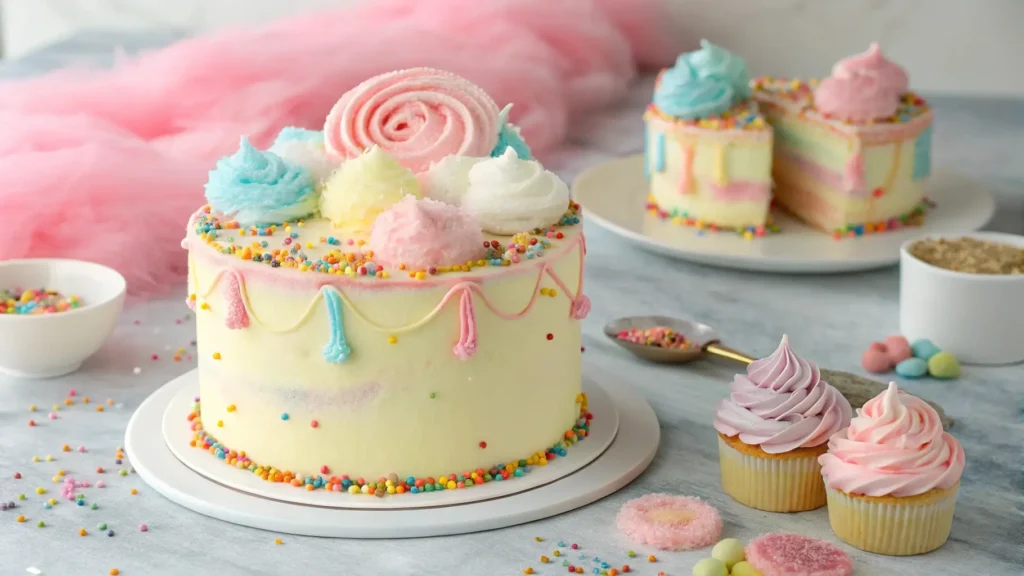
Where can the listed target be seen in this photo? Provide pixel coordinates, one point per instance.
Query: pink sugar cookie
(876, 359)
(670, 522)
(795, 555)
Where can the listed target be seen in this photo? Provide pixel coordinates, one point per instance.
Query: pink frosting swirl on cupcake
(862, 88)
(891, 77)
(424, 233)
(894, 447)
(782, 404)
(418, 116)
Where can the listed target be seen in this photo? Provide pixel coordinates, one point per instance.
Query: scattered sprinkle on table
(36, 301)
(658, 337)
(278, 541)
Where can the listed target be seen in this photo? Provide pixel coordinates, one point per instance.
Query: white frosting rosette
(310, 155)
(508, 195)
(448, 180)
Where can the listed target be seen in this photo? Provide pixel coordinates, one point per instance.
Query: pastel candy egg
(924, 348)
(912, 368)
(943, 365)
(876, 359)
(729, 551)
(710, 567)
(899, 348)
(745, 569)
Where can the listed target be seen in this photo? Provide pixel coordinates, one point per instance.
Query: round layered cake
(392, 304)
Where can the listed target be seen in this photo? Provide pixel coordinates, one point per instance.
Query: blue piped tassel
(336, 351)
(647, 152)
(923, 154)
(659, 153)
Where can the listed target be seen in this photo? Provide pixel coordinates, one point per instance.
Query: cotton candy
(107, 165)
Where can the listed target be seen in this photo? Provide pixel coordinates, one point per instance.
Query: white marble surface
(829, 319)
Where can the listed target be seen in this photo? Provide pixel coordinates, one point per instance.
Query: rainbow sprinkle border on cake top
(800, 93)
(392, 483)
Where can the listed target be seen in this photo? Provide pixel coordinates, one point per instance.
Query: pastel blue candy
(924, 349)
(912, 368)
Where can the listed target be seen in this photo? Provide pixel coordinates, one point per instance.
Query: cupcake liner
(894, 526)
(791, 484)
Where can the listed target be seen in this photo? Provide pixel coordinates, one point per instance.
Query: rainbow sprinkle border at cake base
(913, 218)
(684, 219)
(392, 484)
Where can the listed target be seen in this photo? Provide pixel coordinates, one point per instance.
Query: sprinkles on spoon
(658, 337)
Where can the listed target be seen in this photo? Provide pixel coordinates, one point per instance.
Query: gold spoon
(703, 340)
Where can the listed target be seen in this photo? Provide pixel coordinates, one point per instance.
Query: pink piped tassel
(466, 346)
(237, 317)
(580, 307)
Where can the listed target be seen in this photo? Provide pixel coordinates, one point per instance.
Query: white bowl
(979, 318)
(49, 345)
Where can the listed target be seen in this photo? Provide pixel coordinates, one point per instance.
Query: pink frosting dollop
(782, 404)
(894, 447)
(892, 77)
(418, 116)
(424, 233)
(855, 99)
(862, 88)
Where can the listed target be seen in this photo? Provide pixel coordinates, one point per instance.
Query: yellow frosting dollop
(364, 187)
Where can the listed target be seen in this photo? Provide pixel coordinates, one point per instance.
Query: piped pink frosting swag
(894, 447)
(782, 404)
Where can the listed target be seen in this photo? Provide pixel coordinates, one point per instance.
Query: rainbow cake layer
(853, 150)
(391, 305)
(707, 149)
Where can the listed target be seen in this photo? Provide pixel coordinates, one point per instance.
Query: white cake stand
(624, 438)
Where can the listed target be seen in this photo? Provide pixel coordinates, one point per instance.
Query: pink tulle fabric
(108, 165)
(638, 521)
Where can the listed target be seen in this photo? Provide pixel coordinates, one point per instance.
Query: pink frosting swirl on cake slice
(418, 116)
(782, 404)
(855, 98)
(894, 447)
(424, 233)
(890, 76)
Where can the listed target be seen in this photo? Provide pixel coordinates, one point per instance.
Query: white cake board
(177, 433)
(631, 450)
(614, 196)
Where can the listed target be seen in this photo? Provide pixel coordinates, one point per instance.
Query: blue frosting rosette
(257, 187)
(703, 83)
(296, 134)
(509, 137)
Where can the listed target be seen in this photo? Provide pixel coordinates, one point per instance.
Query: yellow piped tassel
(721, 170)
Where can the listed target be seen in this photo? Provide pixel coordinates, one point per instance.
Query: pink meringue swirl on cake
(892, 77)
(418, 116)
(894, 447)
(782, 404)
(425, 233)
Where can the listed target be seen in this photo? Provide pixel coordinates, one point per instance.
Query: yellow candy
(745, 569)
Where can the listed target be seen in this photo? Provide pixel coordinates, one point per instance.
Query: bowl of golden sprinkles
(55, 314)
(966, 294)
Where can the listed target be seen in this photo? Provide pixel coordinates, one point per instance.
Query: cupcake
(892, 477)
(772, 429)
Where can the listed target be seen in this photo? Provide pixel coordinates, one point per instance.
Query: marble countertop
(830, 319)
